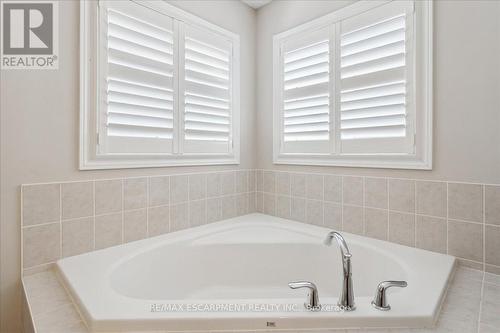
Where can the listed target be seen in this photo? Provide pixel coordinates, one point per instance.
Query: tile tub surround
(70, 218)
(461, 219)
(470, 306)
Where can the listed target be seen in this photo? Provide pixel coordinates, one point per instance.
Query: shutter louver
(306, 93)
(207, 94)
(138, 92)
(374, 76)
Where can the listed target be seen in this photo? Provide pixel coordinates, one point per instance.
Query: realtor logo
(29, 35)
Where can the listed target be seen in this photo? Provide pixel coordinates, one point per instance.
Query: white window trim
(422, 159)
(88, 157)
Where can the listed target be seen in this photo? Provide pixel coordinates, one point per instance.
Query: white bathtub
(172, 282)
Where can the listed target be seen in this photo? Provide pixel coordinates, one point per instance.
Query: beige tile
(283, 183)
(251, 202)
(298, 209)
(214, 210)
(44, 293)
(159, 191)
(402, 195)
(465, 240)
(333, 188)
(63, 319)
(37, 269)
(332, 215)
(283, 204)
(135, 225)
(251, 180)
(197, 186)
(259, 180)
(41, 244)
(108, 196)
(179, 189)
(376, 223)
(352, 219)
(314, 187)
(470, 264)
(314, 212)
(492, 204)
(402, 228)
(298, 184)
(241, 202)
(241, 182)
(228, 207)
(259, 202)
(431, 233)
(213, 185)
(108, 230)
(41, 203)
(77, 200)
(490, 305)
(465, 202)
(493, 270)
(375, 193)
(158, 220)
(431, 198)
(352, 190)
(197, 213)
(227, 183)
(492, 245)
(77, 236)
(269, 204)
(135, 193)
(179, 217)
(269, 181)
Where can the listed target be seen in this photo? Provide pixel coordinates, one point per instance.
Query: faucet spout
(346, 300)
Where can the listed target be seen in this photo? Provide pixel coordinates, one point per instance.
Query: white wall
(39, 129)
(466, 88)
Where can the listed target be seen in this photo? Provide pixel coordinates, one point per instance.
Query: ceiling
(256, 4)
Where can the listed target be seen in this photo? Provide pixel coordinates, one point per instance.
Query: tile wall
(461, 219)
(65, 219)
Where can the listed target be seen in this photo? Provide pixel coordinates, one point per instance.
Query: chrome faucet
(346, 300)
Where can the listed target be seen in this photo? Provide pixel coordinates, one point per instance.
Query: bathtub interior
(249, 263)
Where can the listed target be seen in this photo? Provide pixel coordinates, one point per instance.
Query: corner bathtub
(243, 265)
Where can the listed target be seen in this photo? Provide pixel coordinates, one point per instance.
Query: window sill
(357, 161)
(122, 163)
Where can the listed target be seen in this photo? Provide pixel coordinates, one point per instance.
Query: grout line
(481, 303)
(484, 228)
(447, 218)
(93, 219)
(60, 222)
(415, 218)
(148, 187)
(123, 211)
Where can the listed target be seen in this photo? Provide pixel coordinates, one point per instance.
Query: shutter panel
(376, 70)
(137, 79)
(207, 99)
(305, 82)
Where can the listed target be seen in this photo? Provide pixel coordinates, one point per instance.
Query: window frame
(89, 158)
(422, 158)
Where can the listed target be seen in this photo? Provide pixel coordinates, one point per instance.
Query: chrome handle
(380, 300)
(312, 303)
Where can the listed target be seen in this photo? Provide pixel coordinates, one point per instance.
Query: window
(353, 88)
(159, 87)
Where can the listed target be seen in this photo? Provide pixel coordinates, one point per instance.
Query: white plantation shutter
(207, 99)
(375, 74)
(137, 73)
(305, 84)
